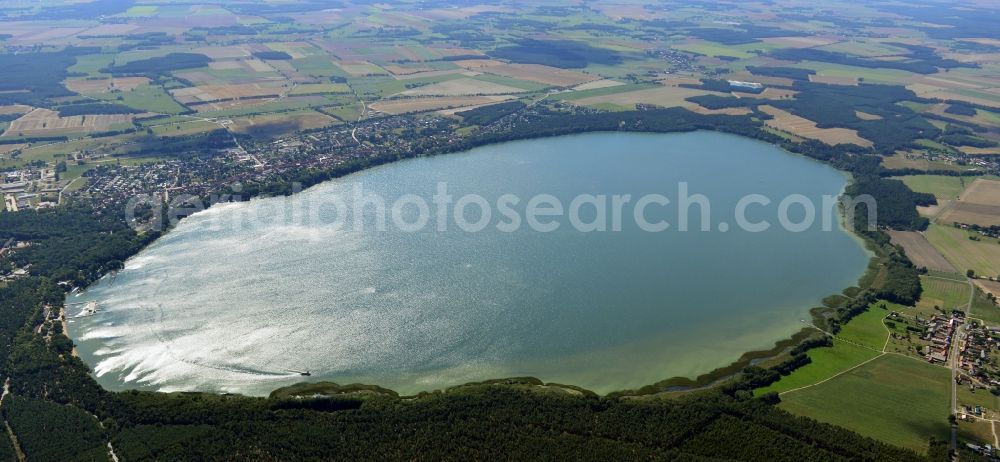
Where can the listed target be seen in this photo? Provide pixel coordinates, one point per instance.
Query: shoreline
(671, 384)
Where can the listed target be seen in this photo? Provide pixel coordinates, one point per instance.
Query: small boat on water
(90, 308)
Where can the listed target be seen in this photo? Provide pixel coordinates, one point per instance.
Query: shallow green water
(228, 303)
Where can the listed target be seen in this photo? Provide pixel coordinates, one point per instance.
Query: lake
(243, 297)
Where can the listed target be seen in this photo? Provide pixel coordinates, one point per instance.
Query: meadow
(900, 400)
(982, 256)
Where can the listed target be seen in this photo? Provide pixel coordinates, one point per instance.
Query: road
(10, 431)
(954, 356)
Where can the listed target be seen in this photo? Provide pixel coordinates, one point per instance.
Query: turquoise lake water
(243, 296)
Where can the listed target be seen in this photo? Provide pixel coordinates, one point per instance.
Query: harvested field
(225, 65)
(360, 68)
(427, 74)
(982, 256)
(275, 124)
(256, 65)
(806, 128)
(867, 116)
(209, 93)
(917, 161)
(969, 213)
(920, 251)
(320, 88)
(14, 109)
(88, 86)
(980, 151)
(402, 106)
(979, 204)
(474, 64)
(604, 83)
(666, 96)
(400, 70)
(833, 79)
(9, 148)
(232, 104)
(802, 42)
(229, 52)
(460, 87)
(541, 74)
(45, 122)
(990, 287)
(110, 29)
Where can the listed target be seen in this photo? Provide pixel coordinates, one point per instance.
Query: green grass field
(865, 329)
(980, 432)
(982, 256)
(899, 400)
(319, 88)
(947, 295)
(516, 83)
(150, 98)
(942, 187)
(985, 309)
(890, 76)
(979, 397)
(717, 49)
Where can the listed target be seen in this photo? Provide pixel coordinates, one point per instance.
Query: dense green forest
(35, 78)
(158, 66)
(568, 54)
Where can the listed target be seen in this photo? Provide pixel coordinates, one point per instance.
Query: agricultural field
(462, 87)
(979, 204)
(983, 307)
(920, 251)
(213, 93)
(897, 399)
(319, 88)
(981, 256)
(942, 187)
(919, 161)
(786, 121)
(859, 340)
(402, 106)
(152, 98)
(661, 95)
(941, 296)
(540, 73)
(281, 124)
(44, 122)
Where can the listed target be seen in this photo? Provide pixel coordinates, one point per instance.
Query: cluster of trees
(485, 115)
(95, 108)
(158, 66)
(741, 34)
(51, 431)
(921, 60)
(515, 420)
(41, 74)
(896, 203)
(70, 243)
(957, 135)
(272, 55)
(567, 54)
(794, 73)
(721, 86)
